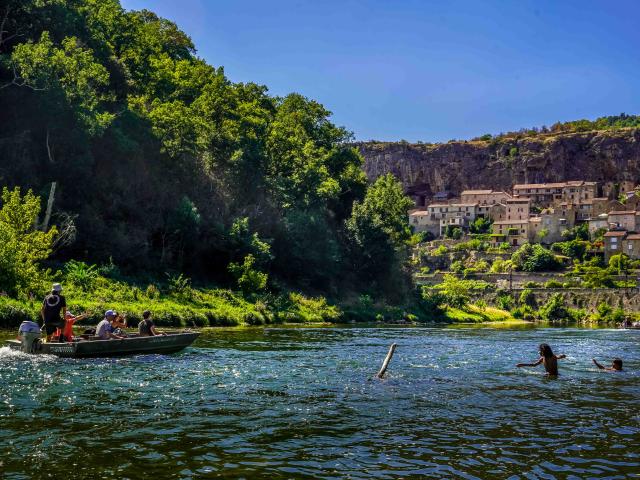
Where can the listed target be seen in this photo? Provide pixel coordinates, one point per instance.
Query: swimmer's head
(545, 350)
(617, 364)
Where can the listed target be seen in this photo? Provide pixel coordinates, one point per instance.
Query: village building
(613, 243)
(599, 222)
(421, 221)
(484, 197)
(624, 220)
(551, 222)
(517, 209)
(513, 232)
(546, 194)
(631, 245)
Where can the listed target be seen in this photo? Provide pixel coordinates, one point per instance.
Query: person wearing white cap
(52, 306)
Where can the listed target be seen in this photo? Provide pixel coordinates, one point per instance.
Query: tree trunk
(47, 215)
(387, 359)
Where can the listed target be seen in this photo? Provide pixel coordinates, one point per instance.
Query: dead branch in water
(387, 359)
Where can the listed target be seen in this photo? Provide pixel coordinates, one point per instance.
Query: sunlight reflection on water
(292, 403)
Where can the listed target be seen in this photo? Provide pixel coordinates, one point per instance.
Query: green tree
(68, 73)
(378, 228)
(534, 258)
(555, 309)
(481, 225)
(250, 280)
(22, 246)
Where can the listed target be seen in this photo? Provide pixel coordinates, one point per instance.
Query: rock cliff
(610, 157)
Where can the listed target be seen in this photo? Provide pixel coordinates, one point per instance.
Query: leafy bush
(457, 267)
(500, 265)
(250, 280)
(574, 248)
(505, 302)
(553, 284)
(22, 246)
(555, 309)
(179, 285)
(440, 251)
(605, 313)
(481, 225)
(534, 258)
(453, 232)
(81, 275)
(579, 232)
(152, 292)
(528, 298)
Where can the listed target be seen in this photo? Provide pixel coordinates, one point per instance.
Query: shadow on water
(301, 403)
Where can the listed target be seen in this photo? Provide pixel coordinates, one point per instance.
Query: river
(301, 403)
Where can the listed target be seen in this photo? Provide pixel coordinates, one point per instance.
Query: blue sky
(426, 70)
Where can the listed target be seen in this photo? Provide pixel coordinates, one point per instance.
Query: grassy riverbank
(191, 306)
(215, 307)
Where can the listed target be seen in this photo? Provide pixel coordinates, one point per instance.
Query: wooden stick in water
(387, 359)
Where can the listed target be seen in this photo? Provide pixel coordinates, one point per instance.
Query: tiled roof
(539, 185)
(420, 212)
(633, 236)
(478, 192)
(511, 222)
(619, 233)
(622, 212)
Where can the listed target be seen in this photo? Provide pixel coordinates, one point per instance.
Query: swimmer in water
(547, 358)
(616, 365)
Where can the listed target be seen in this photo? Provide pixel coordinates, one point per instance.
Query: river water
(301, 403)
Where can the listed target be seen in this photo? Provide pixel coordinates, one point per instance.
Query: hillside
(154, 160)
(608, 156)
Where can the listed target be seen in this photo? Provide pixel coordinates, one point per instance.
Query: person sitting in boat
(146, 328)
(120, 324)
(105, 329)
(70, 319)
(52, 306)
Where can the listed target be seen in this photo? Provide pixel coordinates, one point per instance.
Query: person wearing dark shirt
(146, 328)
(53, 305)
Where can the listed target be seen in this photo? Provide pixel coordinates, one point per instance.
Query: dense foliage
(22, 245)
(602, 123)
(534, 258)
(163, 163)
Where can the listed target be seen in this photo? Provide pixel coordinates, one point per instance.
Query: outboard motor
(29, 336)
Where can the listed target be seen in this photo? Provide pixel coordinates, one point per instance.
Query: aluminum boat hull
(134, 345)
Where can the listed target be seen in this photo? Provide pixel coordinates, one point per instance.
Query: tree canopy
(157, 155)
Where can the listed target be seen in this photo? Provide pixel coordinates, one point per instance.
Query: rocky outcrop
(610, 157)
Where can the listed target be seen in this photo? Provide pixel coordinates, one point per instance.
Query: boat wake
(10, 355)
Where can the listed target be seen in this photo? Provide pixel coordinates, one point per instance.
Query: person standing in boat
(53, 305)
(146, 328)
(106, 327)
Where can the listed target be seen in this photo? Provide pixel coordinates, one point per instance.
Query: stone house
(547, 194)
(497, 212)
(624, 220)
(421, 221)
(631, 245)
(553, 221)
(484, 197)
(514, 232)
(517, 209)
(596, 223)
(613, 243)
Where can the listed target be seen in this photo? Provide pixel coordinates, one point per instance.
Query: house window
(614, 240)
(630, 247)
(614, 246)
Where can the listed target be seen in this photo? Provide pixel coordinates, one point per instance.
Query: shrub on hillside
(534, 258)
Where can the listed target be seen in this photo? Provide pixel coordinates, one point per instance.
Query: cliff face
(608, 157)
